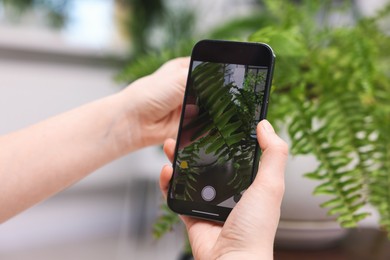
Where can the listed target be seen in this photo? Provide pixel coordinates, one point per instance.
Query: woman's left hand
(155, 102)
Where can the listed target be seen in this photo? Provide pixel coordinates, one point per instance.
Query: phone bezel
(244, 53)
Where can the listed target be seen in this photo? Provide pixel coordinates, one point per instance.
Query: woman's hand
(155, 103)
(250, 229)
(63, 149)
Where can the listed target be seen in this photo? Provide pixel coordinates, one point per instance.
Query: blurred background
(59, 54)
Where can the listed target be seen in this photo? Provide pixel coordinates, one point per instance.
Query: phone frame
(229, 52)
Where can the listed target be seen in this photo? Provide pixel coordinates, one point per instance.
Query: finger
(176, 64)
(183, 61)
(273, 160)
(165, 177)
(169, 149)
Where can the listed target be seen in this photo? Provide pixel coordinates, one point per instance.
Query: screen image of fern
(218, 145)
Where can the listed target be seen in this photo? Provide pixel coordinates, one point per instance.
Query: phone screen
(217, 153)
(217, 144)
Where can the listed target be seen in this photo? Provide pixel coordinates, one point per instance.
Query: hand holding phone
(216, 153)
(249, 231)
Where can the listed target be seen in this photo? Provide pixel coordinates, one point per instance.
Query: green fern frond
(333, 171)
(380, 178)
(165, 222)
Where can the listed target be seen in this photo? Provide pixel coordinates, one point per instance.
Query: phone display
(217, 152)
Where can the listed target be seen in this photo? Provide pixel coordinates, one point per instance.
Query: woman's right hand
(249, 231)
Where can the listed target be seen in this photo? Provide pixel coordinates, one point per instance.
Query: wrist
(126, 129)
(136, 129)
(151, 117)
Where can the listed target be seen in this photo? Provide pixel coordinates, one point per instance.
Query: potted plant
(331, 92)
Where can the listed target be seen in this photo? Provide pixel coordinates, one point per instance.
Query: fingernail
(267, 126)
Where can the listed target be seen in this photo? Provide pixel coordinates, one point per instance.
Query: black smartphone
(217, 153)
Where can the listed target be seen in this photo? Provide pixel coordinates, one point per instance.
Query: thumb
(253, 221)
(270, 175)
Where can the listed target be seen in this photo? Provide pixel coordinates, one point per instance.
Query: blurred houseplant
(331, 90)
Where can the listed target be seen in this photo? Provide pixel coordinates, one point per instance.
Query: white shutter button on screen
(208, 193)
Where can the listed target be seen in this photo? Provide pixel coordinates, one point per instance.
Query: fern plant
(329, 102)
(332, 92)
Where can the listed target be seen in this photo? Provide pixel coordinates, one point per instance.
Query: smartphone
(217, 153)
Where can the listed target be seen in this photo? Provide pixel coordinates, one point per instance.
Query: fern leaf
(165, 221)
